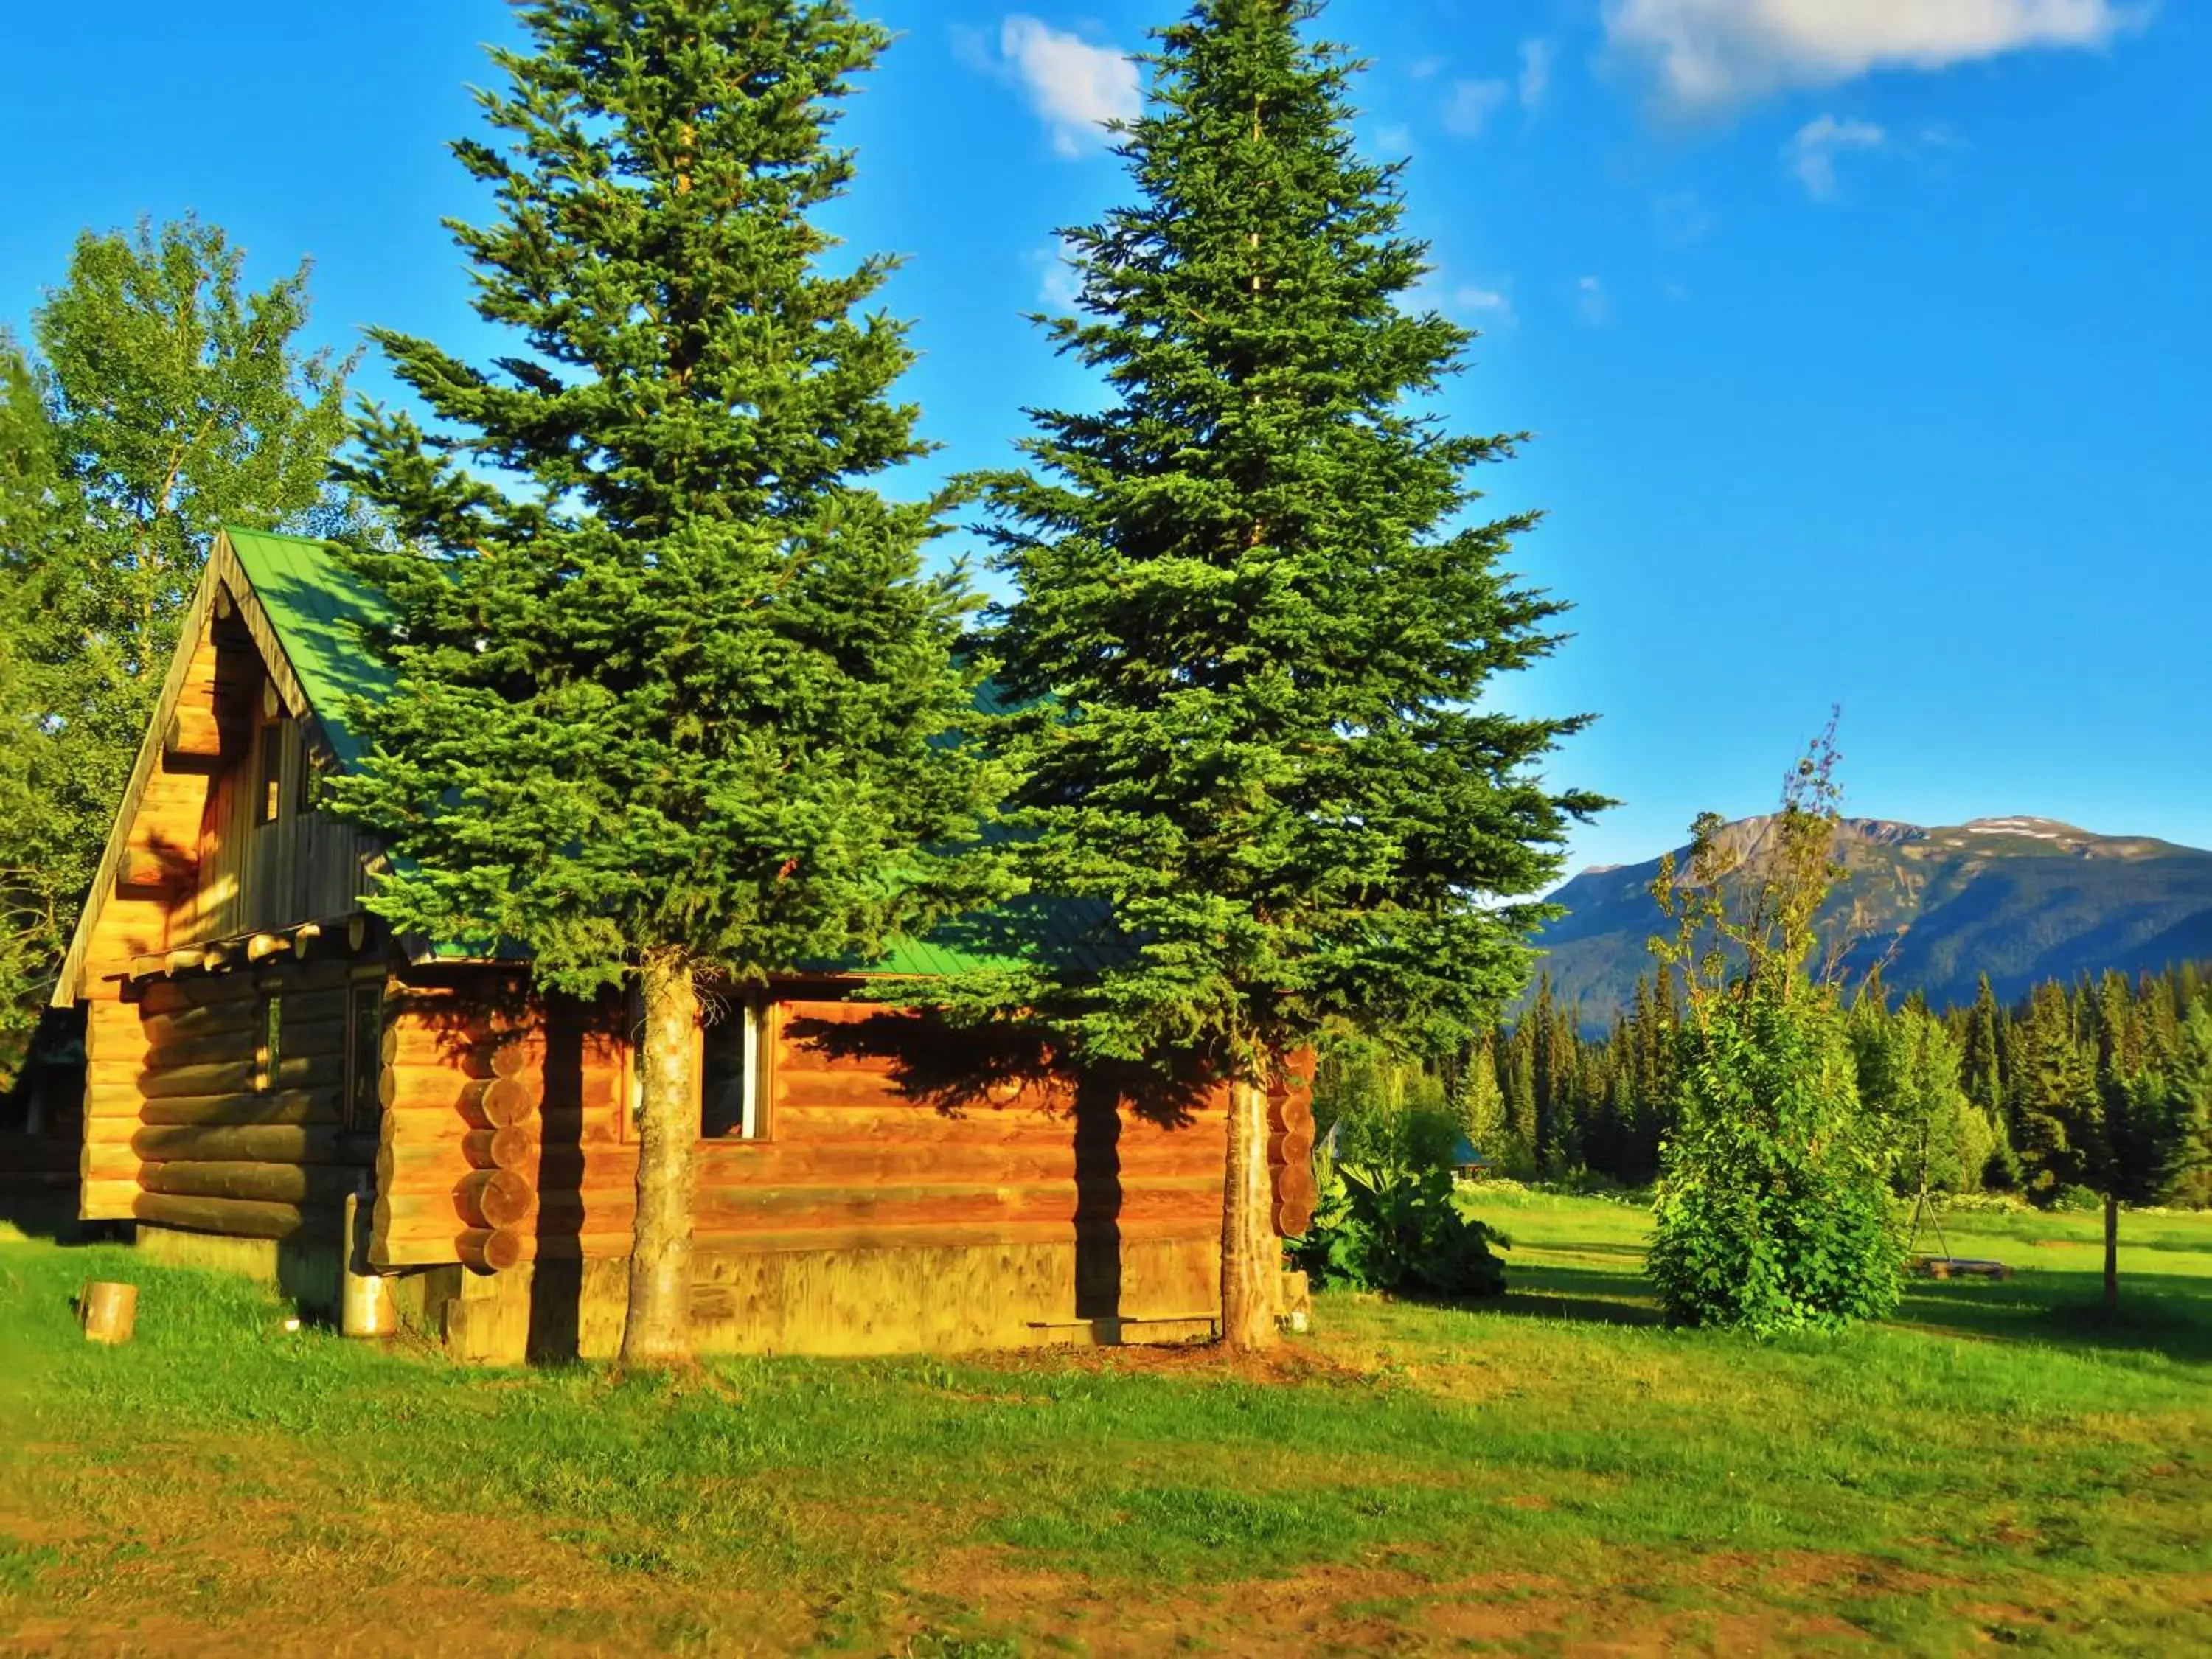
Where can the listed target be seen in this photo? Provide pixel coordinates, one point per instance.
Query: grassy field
(1554, 1473)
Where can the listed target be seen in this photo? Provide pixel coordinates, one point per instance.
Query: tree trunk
(1251, 1255)
(658, 1331)
(2111, 1253)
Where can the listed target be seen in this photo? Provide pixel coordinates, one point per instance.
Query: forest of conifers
(2042, 1097)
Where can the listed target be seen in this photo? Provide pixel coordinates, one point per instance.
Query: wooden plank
(779, 1209)
(191, 1024)
(612, 1244)
(238, 1217)
(266, 1143)
(238, 1045)
(291, 1106)
(869, 1164)
(239, 1077)
(197, 991)
(278, 1183)
(107, 1199)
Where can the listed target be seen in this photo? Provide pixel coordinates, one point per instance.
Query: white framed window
(728, 1063)
(730, 1073)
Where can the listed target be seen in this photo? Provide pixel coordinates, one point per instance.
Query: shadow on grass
(45, 1212)
(2164, 1314)
(2159, 1313)
(1577, 1293)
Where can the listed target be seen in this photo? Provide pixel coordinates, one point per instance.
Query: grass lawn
(1555, 1472)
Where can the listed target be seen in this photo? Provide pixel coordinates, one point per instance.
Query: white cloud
(1536, 72)
(1075, 86)
(1491, 303)
(1711, 53)
(1472, 103)
(1060, 284)
(1422, 68)
(1395, 141)
(1813, 148)
(1592, 302)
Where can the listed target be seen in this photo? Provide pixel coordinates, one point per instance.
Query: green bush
(1772, 1212)
(2075, 1200)
(1384, 1109)
(1386, 1227)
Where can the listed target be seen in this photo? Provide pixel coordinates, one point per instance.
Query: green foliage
(1772, 1212)
(162, 399)
(1253, 608)
(1773, 1205)
(1385, 1109)
(1389, 1227)
(671, 678)
(2189, 1104)
(1909, 1069)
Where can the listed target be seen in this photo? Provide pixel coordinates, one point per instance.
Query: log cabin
(264, 1058)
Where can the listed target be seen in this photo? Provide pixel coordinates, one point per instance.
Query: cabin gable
(221, 834)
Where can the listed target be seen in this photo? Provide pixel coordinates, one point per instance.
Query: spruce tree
(675, 694)
(1251, 589)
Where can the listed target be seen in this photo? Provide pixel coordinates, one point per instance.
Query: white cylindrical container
(365, 1307)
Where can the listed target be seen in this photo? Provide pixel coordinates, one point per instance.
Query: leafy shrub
(1386, 1227)
(1997, 1203)
(2075, 1200)
(1772, 1207)
(1385, 1110)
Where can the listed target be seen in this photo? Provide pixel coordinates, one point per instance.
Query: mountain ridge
(2021, 897)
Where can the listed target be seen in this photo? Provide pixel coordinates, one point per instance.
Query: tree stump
(108, 1312)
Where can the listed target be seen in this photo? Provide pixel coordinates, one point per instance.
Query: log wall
(505, 1143)
(181, 1130)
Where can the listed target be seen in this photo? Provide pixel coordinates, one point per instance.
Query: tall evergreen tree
(2054, 1090)
(675, 694)
(1249, 586)
(162, 398)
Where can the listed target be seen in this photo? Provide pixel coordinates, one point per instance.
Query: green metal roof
(317, 607)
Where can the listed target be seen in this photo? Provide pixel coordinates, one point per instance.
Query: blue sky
(1863, 341)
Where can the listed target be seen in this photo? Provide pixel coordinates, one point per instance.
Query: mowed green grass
(1552, 1473)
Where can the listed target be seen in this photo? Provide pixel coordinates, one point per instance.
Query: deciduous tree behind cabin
(676, 693)
(161, 398)
(1262, 617)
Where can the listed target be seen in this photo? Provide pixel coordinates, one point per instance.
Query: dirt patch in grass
(1348, 1609)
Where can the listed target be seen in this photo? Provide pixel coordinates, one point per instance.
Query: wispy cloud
(1075, 87)
(1492, 305)
(1471, 104)
(1060, 284)
(1593, 303)
(1812, 150)
(1708, 53)
(1536, 73)
(1681, 216)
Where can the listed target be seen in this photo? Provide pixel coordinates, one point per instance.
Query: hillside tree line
(2073, 1091)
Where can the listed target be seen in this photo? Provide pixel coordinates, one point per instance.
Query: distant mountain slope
(2020, 899)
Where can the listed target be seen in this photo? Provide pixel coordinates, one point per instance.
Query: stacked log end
(457, 1136)
(498, 1197)
(1289, 1156)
